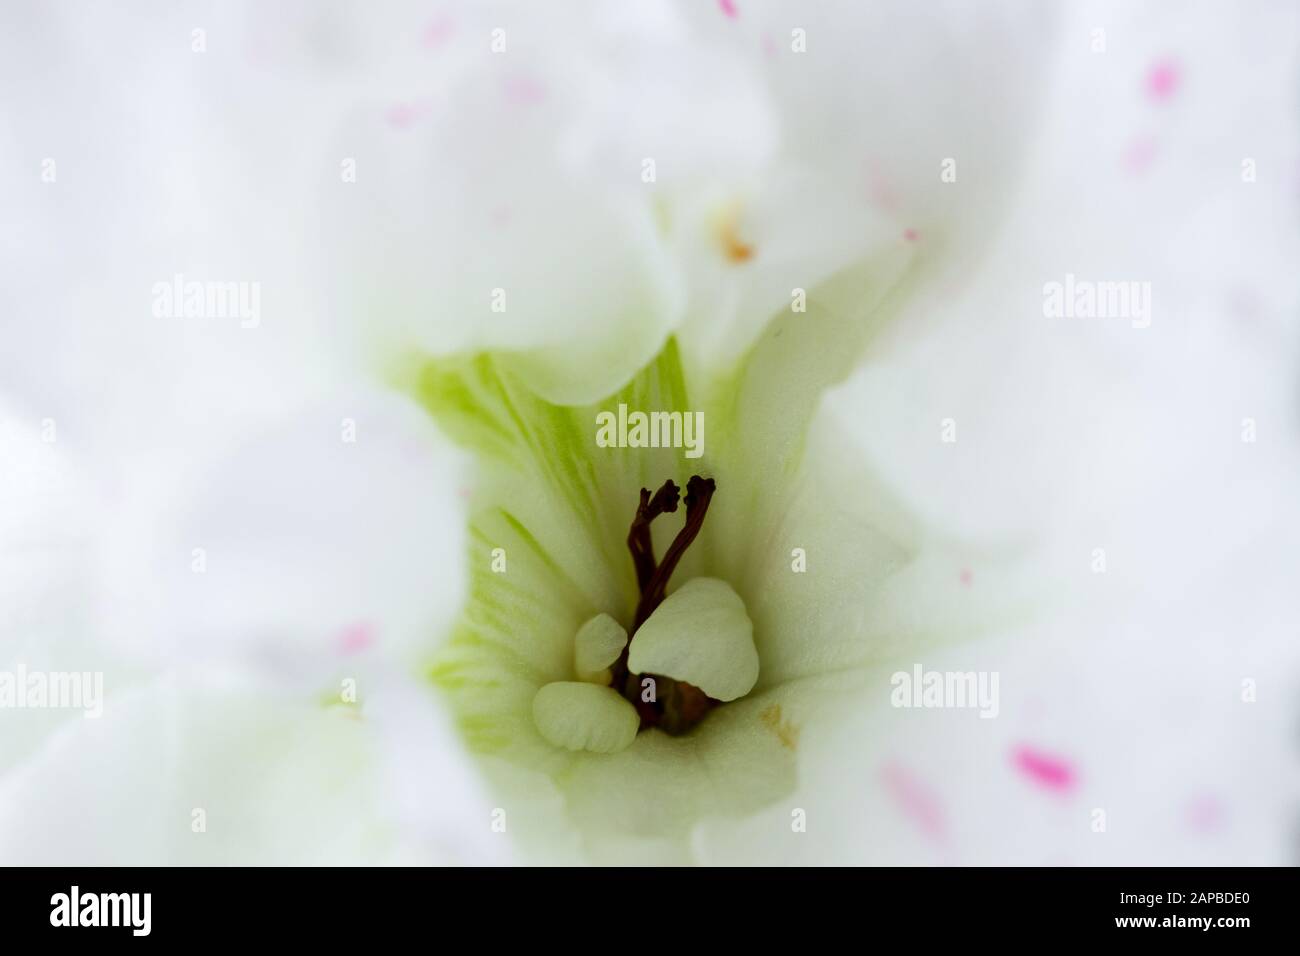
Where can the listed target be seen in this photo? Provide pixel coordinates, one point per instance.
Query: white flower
(743, 196)
(915, 177)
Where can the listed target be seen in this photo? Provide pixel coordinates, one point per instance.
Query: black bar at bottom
(332, 907)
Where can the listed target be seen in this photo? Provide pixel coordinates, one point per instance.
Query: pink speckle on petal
(880, 188)
(914, 798)
(1044, 769)
(965, 577)
(438, 32)
(255, 53)
(1162, 80)
(1139, 155)
(464, 492)
(355, 638)
(1205, 813)
(403, 115)
(524, 91)
(728, 7)
(769, 46)
(911, 235)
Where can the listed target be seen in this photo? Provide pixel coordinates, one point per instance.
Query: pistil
(699, 492)
(675, 706)
(638, 538)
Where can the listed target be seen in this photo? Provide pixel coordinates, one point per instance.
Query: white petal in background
(315, 539)
(329, 559)
(1163, 690)
(191, 771)
(209, 493)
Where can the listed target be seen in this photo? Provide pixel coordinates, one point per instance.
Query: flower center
(688, 652)
(674, 706)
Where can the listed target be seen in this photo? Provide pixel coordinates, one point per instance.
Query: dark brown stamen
(699, 492)
(678, 706)
(638, 538)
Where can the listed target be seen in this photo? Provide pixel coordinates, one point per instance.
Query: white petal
(189, 773)
(335, 531)
(1087, 434)
(48, 572)
(477, 222)
(865, 120)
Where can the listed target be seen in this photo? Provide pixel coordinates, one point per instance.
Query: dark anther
(699, 492)
(638, 538)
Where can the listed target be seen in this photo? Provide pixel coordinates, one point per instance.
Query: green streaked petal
(702, 635)
(558, 506)
(759, 416)
(578, 716)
